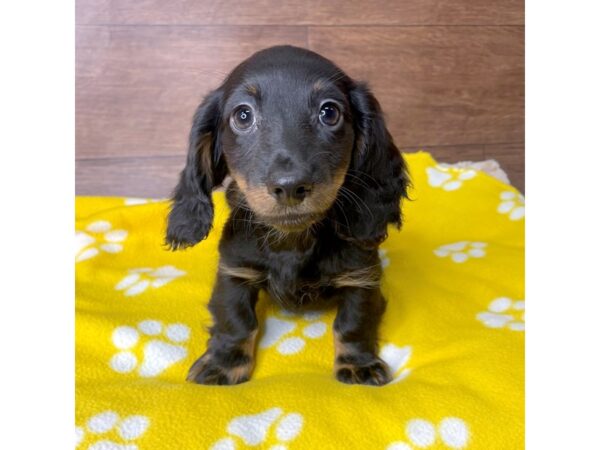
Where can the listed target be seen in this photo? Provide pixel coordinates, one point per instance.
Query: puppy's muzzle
(289, 190)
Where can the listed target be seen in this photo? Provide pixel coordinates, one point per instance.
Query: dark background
(448, 73)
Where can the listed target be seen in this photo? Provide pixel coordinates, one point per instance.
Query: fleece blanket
(453, 334)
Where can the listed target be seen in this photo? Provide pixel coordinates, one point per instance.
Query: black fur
(320, 252)
(192, 211)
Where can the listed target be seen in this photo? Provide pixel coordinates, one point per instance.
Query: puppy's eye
(329, 114)
(242, 118)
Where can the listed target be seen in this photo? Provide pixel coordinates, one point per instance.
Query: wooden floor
(448, 73)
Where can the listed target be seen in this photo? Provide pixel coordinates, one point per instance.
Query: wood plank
(137, 87)
(437, 85)
(157, 176)
(153, 177)
(186, 12)
(451, 153)
(301, 12)
(417, 12)
(512, 159)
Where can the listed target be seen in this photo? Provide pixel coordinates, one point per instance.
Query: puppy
(316, 179)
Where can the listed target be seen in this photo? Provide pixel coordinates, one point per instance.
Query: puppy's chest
(295, 279)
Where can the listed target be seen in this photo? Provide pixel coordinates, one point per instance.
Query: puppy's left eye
(242, 118)
(329, 114)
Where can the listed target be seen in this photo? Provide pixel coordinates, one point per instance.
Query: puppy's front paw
(374, 371)
(207, 370)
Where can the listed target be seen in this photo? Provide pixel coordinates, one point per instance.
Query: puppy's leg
(229, 358)
(355, 334)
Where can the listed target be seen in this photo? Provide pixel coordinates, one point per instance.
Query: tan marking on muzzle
(320, 200)
(258, 198)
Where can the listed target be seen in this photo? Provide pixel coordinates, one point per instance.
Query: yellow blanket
(453, 334)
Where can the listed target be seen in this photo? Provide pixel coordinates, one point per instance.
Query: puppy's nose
(289, 191)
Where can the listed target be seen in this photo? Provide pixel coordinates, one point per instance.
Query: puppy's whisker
(344, 196)
(336, 76)
(362, 172)
(358, 180)
(341, 208)
(359, 199)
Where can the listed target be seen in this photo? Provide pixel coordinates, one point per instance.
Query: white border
(563, 224)
(563, 201)
(36, 226)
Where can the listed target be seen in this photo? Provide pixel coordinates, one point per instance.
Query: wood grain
(421, 12)
(137, 87)
(154, 177)
(512, 159)
(301, 12)
(157, 176)
(437, 85)
(186, 12)
(448, 73)
(451, 153)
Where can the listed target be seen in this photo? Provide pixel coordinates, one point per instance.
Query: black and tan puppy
(316, 179)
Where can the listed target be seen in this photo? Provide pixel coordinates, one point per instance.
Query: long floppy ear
(377, 177)
(192, 210)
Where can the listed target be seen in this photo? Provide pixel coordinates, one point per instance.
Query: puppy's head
(301, 140)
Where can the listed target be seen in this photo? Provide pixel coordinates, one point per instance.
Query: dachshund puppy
(316, 179)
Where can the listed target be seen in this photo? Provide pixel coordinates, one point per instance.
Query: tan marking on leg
(245, 273)
(340, 349)
(343, 349)
(250, 344)
(238, 373)
(197, 367)
(368, 278)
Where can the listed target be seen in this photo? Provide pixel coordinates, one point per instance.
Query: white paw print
(98, 236)
(397, 359)
(461, 251)
(448, 178)
(131, 201)
(513, 204)
(504, 312)
(257, 429)
(158, 354)
(384, 258)
(140, 279)
(277, 331)
(108, 431)
(452, 431)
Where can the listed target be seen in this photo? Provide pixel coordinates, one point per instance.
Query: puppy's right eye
(329, 114)
(242, 118)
